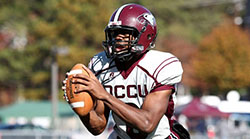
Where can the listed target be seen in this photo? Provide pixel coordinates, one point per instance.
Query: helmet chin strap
(138, 48)
(124, 58)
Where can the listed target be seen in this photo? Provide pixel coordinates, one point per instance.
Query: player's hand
(65, 97)
(90, 84)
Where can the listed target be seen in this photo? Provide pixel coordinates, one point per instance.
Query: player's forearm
(95, 121)
(138, 118)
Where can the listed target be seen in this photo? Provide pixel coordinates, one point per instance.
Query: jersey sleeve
(168, 75)
(170, 72)
(164, 68)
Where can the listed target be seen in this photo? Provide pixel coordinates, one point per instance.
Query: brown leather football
(81, 102)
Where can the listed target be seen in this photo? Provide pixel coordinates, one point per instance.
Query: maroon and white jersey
(153, 72)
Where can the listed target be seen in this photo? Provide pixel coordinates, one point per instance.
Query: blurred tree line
(214, 51)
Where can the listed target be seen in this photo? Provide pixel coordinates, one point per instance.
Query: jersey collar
(125, 72)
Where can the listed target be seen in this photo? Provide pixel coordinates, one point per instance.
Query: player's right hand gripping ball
(81, 102)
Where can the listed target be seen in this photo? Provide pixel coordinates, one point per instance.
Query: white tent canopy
(234, 107)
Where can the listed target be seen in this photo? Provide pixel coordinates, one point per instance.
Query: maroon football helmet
(135, 20)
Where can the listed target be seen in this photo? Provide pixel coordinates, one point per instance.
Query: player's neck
(123, 66)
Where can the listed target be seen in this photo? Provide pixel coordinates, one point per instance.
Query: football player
(137, 84)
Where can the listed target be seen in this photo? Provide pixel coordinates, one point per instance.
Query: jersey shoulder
(99, 62)
(157, 56)
(163, 66)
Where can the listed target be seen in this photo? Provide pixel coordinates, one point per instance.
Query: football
(81, 102)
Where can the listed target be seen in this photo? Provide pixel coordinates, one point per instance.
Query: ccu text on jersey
(131, 91)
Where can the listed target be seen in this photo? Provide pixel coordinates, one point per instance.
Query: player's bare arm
(145, 119)
(97, 118)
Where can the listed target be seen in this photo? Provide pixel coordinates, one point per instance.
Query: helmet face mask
(136, 21)
(112, 44)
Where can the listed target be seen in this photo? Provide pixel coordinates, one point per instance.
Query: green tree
(45, 24)
(190, 20)
(222, 61)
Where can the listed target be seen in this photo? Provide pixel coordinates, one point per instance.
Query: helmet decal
(146, 17)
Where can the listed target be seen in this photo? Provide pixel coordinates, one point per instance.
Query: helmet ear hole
(152, 45)
(149, 36)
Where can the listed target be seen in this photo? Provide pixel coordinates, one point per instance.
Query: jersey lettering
(117, 89)
(131, 91)
(140, 92)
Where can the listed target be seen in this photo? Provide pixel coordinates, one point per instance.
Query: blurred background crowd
(40, 40)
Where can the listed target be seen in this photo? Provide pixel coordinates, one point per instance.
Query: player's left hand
(90, 84)
(64, 87)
